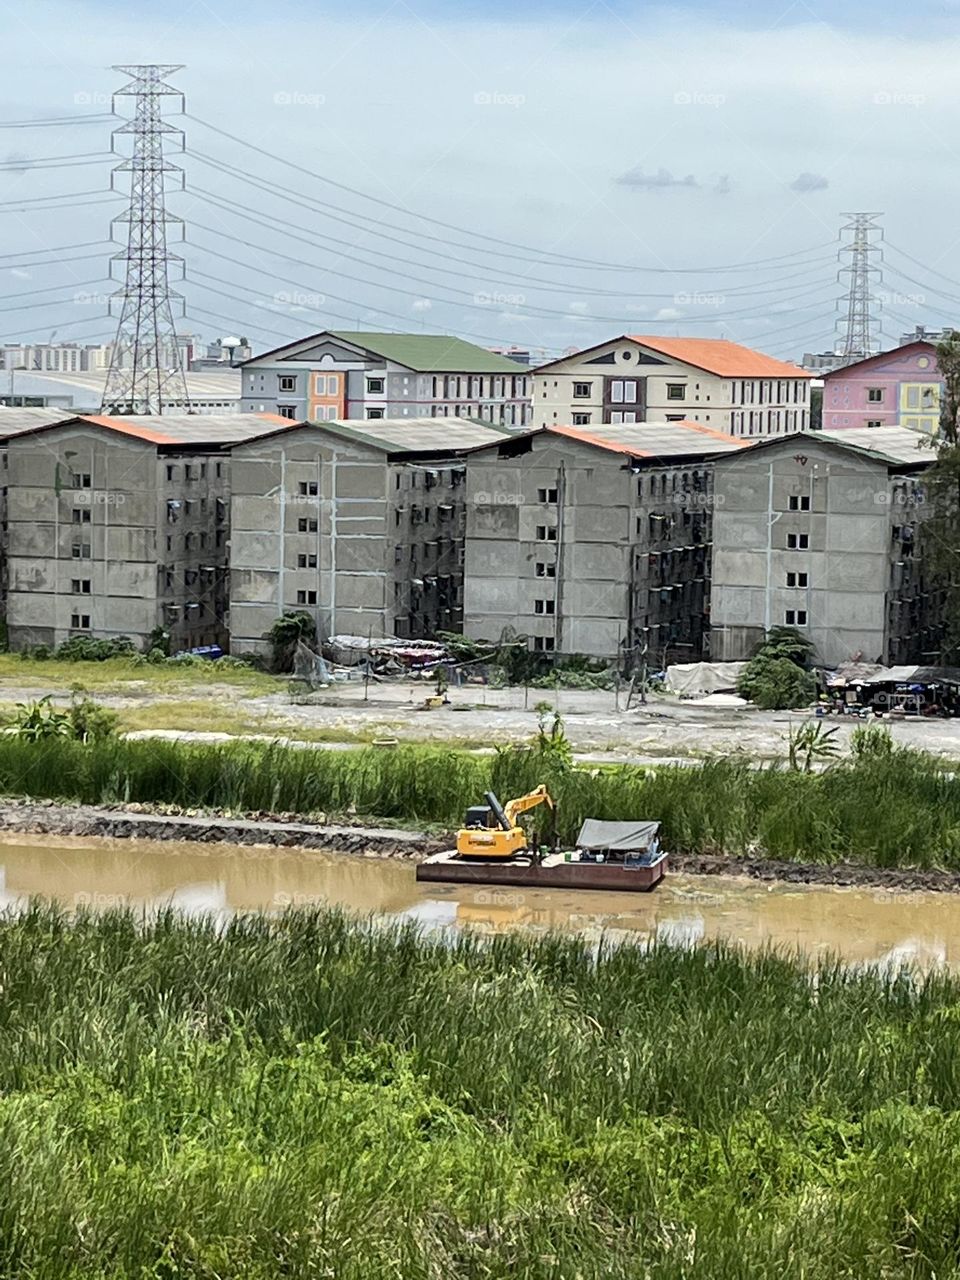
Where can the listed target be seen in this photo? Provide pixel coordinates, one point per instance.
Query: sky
(539, 175)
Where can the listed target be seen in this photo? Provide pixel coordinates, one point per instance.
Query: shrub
(776, 684)
(87, 649)
(91, 721)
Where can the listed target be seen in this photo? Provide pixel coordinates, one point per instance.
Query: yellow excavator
(491, 830)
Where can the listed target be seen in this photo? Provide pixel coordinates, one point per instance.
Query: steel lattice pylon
(146, 368)
(858, 340)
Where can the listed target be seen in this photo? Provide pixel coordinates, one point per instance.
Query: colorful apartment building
(899, 388)
(336, 375)
(640, 379)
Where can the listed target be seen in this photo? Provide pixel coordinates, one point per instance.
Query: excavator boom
(539, 795)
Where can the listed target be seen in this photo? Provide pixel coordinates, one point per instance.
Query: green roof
(431, 352)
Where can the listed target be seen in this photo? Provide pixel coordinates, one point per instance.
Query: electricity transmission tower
(146, 368)
(856, 258)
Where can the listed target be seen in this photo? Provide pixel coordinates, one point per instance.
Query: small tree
(776, 684)
(775, 678)
(286, 633)
(786, 642)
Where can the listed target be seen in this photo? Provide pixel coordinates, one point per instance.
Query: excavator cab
(492, 830)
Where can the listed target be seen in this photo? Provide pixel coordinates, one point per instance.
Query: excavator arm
(539, 795)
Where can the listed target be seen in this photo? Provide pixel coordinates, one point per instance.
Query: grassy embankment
(310, 1098)
(896, 809)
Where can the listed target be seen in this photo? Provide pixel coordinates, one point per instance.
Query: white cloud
(669, 313)
(422, 304)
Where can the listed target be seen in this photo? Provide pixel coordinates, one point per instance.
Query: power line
(524, 283)
(27, 161)
(100, 117)
(58, 248)
(64, 324)
(80, 257)
(40, 203)
(533, 311)
(527, 250)
(53, 302)
(30, 293)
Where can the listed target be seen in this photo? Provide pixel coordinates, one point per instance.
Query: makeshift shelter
(693, 679)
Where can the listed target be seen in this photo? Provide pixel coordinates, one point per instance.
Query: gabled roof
(176, 430)
(714, 355)
(419, 352)
(919, 347)
(654, 440)
(896, 448)
(399, 437)
(721, 357)
(13, 421)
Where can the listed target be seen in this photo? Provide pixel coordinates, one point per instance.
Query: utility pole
(856, 256)
(146, 367)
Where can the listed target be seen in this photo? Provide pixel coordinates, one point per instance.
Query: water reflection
(864, 926)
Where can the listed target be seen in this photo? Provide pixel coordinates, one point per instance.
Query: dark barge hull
(447, 868)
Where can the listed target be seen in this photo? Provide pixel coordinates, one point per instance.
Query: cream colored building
(636, 379)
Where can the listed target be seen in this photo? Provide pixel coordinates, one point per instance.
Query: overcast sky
(655, 140)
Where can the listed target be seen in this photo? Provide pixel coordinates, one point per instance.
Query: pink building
(895, 388)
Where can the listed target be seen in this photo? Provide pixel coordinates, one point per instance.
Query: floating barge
(620, 857)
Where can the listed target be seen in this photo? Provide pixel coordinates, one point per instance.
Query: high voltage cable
(533, 311)
(568, 259)
(36, 160)
(80, 257)
(61, 324)
(57, 248)
(29, 293)
(311, 204)
(68, 202)
(917, 263)
(308, 203)
(53, 302)
(100, 117)
(350, 318)
(545, 285)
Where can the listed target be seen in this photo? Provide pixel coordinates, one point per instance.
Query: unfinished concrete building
(818, 531)
(118, 526)
(593, 543)
(359, 525)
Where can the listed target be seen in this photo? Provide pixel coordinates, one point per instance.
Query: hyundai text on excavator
(492, 830)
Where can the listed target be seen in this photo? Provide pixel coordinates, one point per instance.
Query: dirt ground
(478, 717)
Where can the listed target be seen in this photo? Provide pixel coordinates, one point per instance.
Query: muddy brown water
(860, 925)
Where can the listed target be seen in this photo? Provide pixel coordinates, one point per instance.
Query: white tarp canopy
(691, 679)
(596, 833)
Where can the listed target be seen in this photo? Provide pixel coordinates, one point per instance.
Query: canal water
(860, 925)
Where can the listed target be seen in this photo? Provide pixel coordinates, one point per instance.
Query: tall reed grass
(899, 809)
(309, 1097)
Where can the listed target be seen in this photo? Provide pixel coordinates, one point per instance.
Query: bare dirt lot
(477, 716)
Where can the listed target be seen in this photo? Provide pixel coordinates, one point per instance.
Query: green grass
(899, 809)
(120, 675)
(308, 1097)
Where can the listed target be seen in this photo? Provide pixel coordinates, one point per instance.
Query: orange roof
(617, 446)
(127, 428)
(725, 359)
